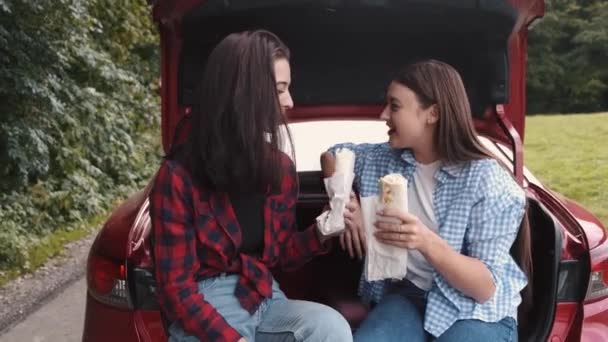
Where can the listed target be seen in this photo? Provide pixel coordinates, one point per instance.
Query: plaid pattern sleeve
(172, 215)
(495, 221)
(360, 151)
(478, 208)
(494, 224)
(295, 247)
(490, 219)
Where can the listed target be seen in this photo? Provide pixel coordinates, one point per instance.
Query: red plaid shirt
(197, 236)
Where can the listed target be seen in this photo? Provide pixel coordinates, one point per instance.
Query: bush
(78, 113)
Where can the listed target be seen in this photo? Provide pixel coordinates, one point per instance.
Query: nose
(385, 114)
(288, 101)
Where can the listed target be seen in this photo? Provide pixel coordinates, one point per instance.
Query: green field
(569, 153)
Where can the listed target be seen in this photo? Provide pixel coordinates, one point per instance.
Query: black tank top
(249, 210)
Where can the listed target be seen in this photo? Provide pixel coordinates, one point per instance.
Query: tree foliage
(568, 58)
(78, 110)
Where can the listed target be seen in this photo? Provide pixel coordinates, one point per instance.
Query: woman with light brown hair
(464, 214)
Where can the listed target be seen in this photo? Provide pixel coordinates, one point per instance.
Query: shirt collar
(447, 169)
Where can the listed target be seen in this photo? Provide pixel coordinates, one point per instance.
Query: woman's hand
(242, 340)
(408, 233)
(328, 164)
(353, 239)
(467, 274)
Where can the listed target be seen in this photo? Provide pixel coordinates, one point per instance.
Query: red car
(343, 54)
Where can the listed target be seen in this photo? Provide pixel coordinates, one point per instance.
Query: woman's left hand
(353, 239)
(408, 233)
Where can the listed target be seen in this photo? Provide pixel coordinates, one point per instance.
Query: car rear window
(310, 139)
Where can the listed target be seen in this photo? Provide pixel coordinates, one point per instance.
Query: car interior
(319, 280)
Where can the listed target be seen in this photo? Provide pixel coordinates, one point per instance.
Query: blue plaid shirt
(479, 208)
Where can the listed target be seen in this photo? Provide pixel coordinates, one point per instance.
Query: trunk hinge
(516, 143)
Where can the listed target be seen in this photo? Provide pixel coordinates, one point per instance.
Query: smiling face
(410, 125)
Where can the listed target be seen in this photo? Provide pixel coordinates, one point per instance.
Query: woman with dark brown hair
(464, 214)
(223, 208)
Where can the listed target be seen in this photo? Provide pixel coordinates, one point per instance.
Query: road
(60, 320)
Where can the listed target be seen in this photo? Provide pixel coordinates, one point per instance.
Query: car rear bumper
(105, 323)
(595, 324)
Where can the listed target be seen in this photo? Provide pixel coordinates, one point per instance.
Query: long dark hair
(438, 83)
(235, 139)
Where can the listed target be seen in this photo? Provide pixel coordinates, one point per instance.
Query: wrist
(435, 248)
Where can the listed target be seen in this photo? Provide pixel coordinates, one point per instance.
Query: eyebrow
(393, 99)
(282, 83)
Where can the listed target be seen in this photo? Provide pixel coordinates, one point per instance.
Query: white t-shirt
(420, 204)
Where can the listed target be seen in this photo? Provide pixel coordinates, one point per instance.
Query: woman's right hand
(353, 240)
(328, 164)
(242, 339)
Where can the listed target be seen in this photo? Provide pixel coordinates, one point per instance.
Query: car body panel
(103, 323)
(595, 322)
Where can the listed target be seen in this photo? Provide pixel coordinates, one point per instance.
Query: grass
(52, 245)
(569, 154)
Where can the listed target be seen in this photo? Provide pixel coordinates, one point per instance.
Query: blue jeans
(277, 320)
(400, 317)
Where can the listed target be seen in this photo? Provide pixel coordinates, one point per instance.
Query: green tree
(568, 58)
(78, 111)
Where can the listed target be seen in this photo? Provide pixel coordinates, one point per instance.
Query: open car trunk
(345, 51)
(333, 279)
(343, 56)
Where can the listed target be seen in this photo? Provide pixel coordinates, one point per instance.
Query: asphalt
(38, 306)
(59, 320)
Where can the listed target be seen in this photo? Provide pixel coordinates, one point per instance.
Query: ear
(432, 115)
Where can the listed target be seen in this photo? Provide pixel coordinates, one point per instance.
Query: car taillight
(598, 285)
(107, 282)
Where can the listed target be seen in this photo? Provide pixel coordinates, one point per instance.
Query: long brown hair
(437, 83)
(235, 141)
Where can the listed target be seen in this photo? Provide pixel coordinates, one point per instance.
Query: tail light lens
(107, 282)
(598, 285)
